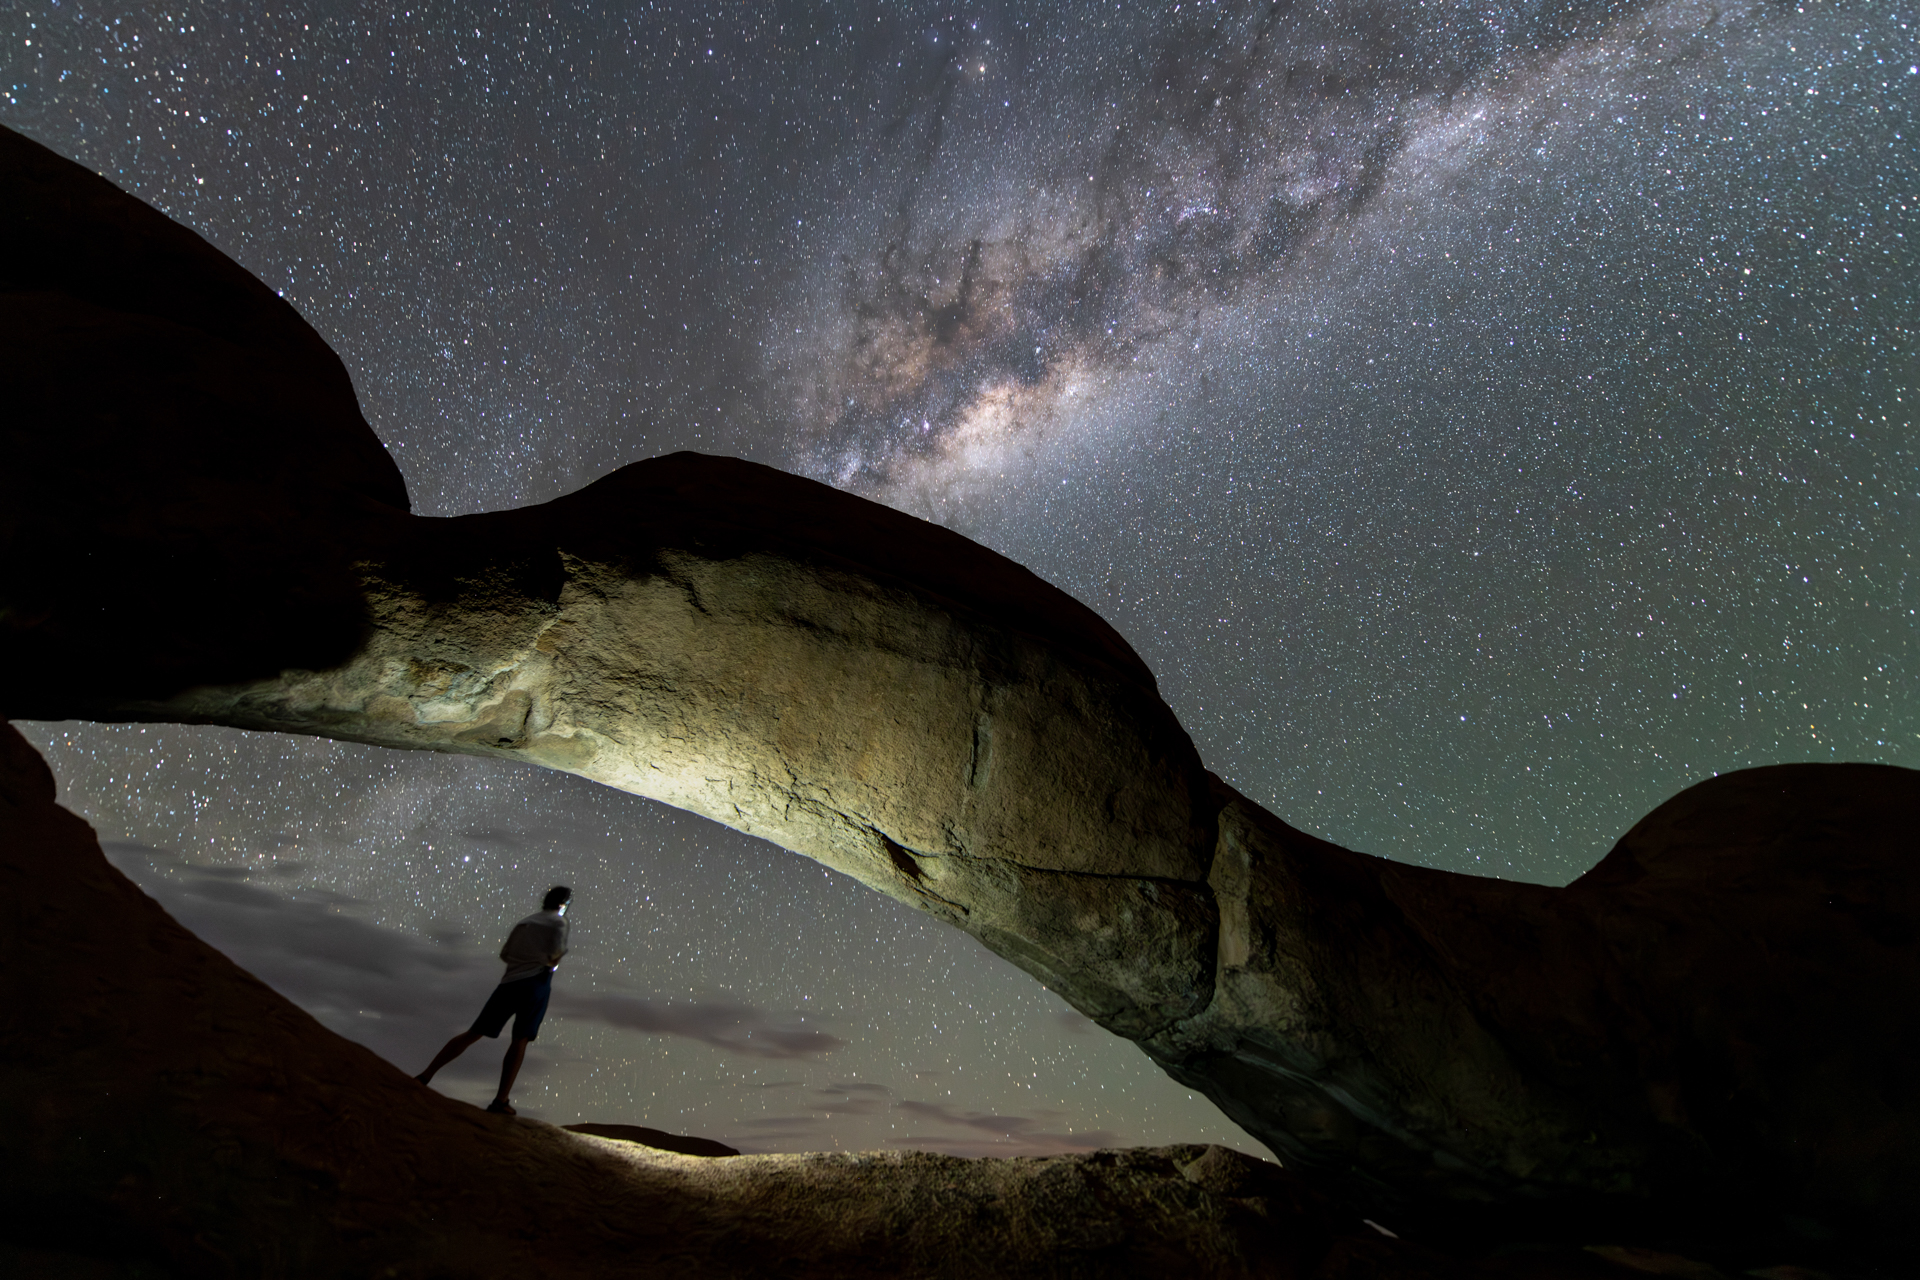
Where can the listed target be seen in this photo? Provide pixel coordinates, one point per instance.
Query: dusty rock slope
(1713, 1026)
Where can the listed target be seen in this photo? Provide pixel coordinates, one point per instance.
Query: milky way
(1486, 419)
(1203, 168)
(1197, 161)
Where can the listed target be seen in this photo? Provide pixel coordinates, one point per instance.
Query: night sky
(1486, 418)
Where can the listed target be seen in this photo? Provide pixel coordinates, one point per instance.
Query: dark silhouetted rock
(1716, 1026)
(161, 401)
(1707, 1027)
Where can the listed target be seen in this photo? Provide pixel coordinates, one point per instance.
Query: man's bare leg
(453, 1049)
(509, 1068)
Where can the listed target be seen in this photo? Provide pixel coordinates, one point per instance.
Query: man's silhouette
(532, 950)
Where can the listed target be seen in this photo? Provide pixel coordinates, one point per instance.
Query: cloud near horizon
(401, 995)
(733, 1028)
(913, 1124)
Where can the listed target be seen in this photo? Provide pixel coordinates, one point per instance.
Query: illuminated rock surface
(201, 528)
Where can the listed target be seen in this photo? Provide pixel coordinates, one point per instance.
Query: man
(533, 950)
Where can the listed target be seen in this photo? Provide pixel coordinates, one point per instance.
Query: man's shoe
(499, 1107)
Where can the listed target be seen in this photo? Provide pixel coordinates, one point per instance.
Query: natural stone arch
(201, 528)
(1015, 775)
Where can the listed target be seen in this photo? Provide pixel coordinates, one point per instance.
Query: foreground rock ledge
(199, 527)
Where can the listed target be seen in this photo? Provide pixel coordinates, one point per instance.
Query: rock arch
(200, 527)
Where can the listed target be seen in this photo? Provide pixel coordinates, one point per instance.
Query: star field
(1486, 420)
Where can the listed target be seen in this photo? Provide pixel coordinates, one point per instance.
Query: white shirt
(535, 945)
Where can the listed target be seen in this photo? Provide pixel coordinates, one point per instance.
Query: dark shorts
(524, 1000)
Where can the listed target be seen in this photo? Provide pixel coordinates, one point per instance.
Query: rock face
(1707, 1024)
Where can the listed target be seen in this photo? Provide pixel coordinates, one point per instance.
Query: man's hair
(555, 896)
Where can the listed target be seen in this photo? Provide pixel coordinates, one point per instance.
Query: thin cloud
(399, 994)
(992, 1122)
(859, 1099)
(737, 1029)
(1011, 1134)
(916, 1125)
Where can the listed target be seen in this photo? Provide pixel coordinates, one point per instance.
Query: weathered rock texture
(1696, 1027)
